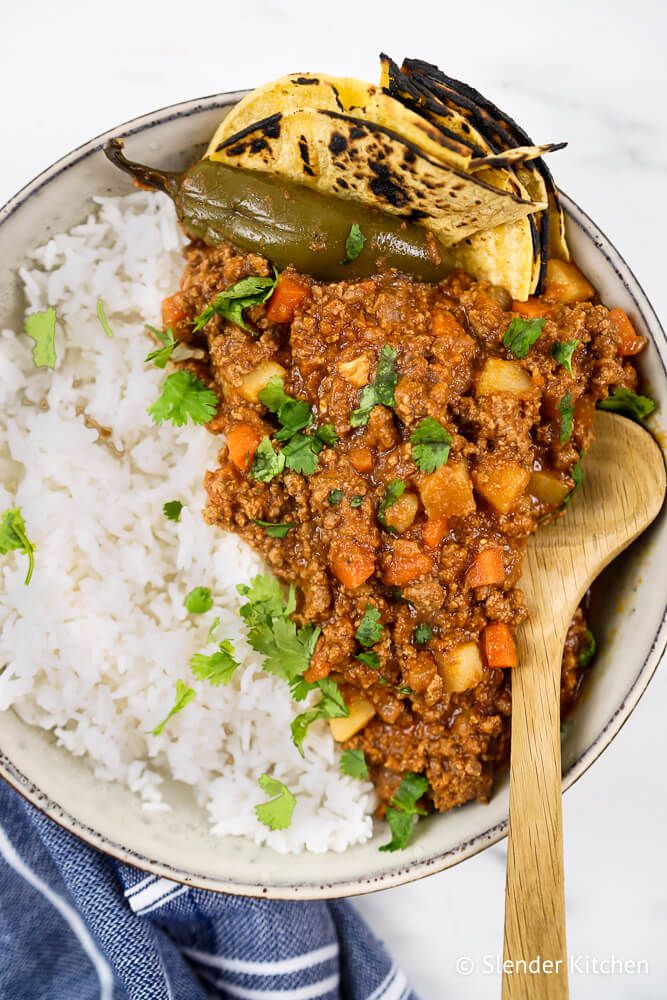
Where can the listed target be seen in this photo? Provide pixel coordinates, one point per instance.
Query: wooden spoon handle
(534, 893)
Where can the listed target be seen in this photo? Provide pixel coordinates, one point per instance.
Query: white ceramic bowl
(631, 624)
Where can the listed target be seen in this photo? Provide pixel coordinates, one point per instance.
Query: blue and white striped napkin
(75, 925)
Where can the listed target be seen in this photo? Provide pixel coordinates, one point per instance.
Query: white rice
(92, 648)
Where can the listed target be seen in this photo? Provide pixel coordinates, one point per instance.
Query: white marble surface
(589, 71)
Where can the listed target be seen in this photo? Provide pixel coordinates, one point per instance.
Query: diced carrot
(317, 670)
(533, 308)
(288, 295)
(361, 459)
(499, 646)
(352, 564)
(174, 310)
(407, 562)
(443, 324)
(487, 569)
(242, 442)
(434, 530)
(629, 341)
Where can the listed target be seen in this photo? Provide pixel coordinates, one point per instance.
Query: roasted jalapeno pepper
(289, 223)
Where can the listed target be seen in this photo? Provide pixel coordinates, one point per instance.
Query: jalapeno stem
(163, 180)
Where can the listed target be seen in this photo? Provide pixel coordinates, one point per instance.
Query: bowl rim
(418, 868)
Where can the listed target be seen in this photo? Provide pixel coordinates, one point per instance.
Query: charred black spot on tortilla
(305, 156)
(257, 145)
(304, 81)
(342, 183)
(270, 127)
(337, 97)
(357, 133)
(416, 214)
(409, 157)
(337, 143)
(238, 149)
(384, 186)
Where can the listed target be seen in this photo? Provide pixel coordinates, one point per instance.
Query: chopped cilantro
(430, 444)
(184, 696)
(330, 706)
(422, 634)
(41, 327)
(589, 650)
(102, 316)
(184, 397)
(294, 414)
(370, 630)
(577, 474)
(13, 538)
(300, 453)
(161, 355)
(402, 810)
(354, 243)
(218, 668)
(215, 625)
(521, 334)
(286, 650)
(172, 509)
(198, 601)
(251, 291)
(277, 813)
(394, 490)
(274, 530)
(335, 497)
(628, 403)
(265, 600)
(327, 435)
(267, 463)
(370, 658)
(356, 501)
(353, 763)
(563, 351)
(381, 391)
(404, 689)
(566, 410)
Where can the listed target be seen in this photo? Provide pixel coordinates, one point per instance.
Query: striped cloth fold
(76, 925)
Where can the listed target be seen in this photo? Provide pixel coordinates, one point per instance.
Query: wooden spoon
(623, 490)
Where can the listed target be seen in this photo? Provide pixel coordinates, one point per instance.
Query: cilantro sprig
(14, 538)
(218, 667)
(267, 462)
(300, 450)
(286, 649)
(370, 629)
(184, 695)
(628, 403)
(394, 490)
(41, 327)
(562, 351)
(231, 303)
(403, 809)
(577, 474)
(277, 813)
(430, 444)
(330, 706)
(161, 355)
(381, 391)
(353, 763)
(566, 410)
(184, 397)
(521, 334)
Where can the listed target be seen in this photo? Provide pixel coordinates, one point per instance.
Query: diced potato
(254, 381)
(355, 371)
(405, 563)
(401, 514)
(548, 487)
(500, 482)
(503, 376)
(462, 668)
(565, 283)
(361, 712)
(447, 492)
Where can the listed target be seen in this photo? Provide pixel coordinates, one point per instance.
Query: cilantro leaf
(102, 316)
(430, 444)
(590, 649)
(294, 414)
(370, 630)
(381, 392)
(356, 501)
(330, 706)
(184, 397)
(335, 497)
(422, 634)
(277, 813)
(562, 351)
(274, 530)
(521, 334)
(251, 291)
(265, 600)
(628, 403)
(369, 658)
(301, 451)
(566, 410)
(41, 327)
(403, 689)
(172, 509)
(353, 763)
(215, 625)
(13, 538)
(273, 395)
(199, 601)
(286, 650)
(184, 695)
(267, 463)
(577, 474)
(354, 243)
(327, 435)
(218, 668)
(161, 355)
(394, 490)
(402, 810)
